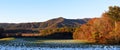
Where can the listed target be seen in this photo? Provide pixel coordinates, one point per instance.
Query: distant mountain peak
(61, 18)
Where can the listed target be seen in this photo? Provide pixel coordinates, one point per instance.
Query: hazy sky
(16, 11)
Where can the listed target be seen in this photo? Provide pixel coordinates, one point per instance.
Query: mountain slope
(53, 23)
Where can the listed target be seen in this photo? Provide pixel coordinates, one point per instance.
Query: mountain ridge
(52, 23)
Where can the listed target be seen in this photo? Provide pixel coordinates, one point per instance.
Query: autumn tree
(114, 14)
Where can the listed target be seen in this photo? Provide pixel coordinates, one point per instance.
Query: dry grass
(62, 41)
(6, 39)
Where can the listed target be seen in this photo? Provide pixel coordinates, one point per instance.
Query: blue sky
(17, 11)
